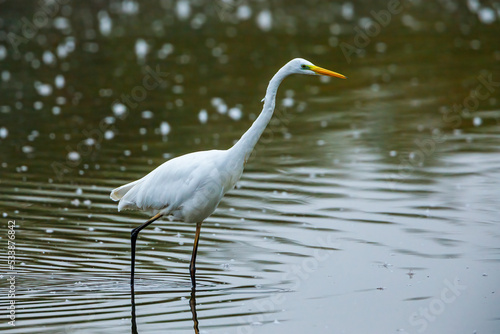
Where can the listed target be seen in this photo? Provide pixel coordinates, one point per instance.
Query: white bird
(189, 188)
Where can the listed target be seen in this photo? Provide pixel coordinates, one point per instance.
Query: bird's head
(302, 66)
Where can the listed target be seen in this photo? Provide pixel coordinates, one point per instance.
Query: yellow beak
(322, 71)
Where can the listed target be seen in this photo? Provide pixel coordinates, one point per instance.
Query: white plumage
(188, 187)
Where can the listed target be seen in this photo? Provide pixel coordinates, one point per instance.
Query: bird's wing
(171, 184)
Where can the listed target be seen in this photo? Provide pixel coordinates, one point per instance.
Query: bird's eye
(303, 66)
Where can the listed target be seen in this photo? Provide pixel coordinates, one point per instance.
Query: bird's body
(190, 187)
(187, 188)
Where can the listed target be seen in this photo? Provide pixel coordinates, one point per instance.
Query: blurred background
(369, 205)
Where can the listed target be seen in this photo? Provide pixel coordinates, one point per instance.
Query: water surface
(370, 205)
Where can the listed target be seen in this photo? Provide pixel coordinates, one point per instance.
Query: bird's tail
(119, 192)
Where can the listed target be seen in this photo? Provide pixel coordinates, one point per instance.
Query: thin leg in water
(133, 239)
(192, 265)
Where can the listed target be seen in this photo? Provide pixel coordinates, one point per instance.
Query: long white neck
(243, 148)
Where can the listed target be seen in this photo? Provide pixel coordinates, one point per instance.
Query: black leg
(192, 265)
(133, 239)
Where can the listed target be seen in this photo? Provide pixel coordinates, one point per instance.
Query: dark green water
(369, 206)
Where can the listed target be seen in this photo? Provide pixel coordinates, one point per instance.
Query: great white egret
(189, 188)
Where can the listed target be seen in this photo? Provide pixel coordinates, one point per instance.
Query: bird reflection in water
(192, 306)
(132, 304)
